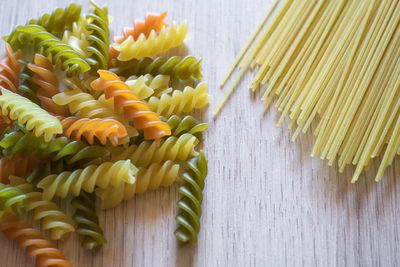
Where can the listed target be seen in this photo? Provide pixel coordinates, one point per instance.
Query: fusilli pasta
(175, 66)
(98, 36)
(50, 215)
(105, 175)
(156, 43)
(187, 124)
(30, 239)
(26, 112)
(189, 205)
(88, 223)
(132, 107)
(16, 165)
(60, 52)
(102, 129)
(147, 85)
(11, 198)
(181, 101)
(48, 84)
(147, 152)
(147, 179)
(26, 143)
(10, 69)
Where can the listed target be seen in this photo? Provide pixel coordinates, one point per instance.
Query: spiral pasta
(175, 66)
(50, 215)
(60, 20)
(152, 22)
(147, 179)
(10, 69)
(16, 165)
(147, 152)
(70, 60)
(44, 251)
(48, 85)
(5, 123)
(181, 101)
(11, 198)
(98, 36)
(26, 143)
(187, 124)
(155, 43)
(26, 112)
(27, 88)
(104, 175)
(132, 107)
(189, 205)
(102, 129)
(88, 223)
(77, 37)
(147, 85)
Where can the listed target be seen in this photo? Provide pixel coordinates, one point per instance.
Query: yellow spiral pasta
(104, 175)
(146, 85)
(77, 37)
(50, 215)
(147, 179)
(19, 108)
(181, 101)
(148, 152)
(167, 38)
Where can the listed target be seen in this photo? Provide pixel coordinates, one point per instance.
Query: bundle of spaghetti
(47, 82)
(17, 166)
(334, 63)
(147, 179)
(133, 108)
(102, 129)
(44, 251)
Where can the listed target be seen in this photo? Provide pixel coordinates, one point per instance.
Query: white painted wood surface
(267, 203)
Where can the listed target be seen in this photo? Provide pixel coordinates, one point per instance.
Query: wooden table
(267, 203)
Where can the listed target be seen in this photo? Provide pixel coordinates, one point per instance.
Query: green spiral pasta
(88, 222)
(60, 19)
(175, 66)
(26, 112)
(147, 152)
(70, 60)
(187, 124)
(181, 101)
(189, 205)
(27, 87)
(26, 143)
(104, 175)
(50, 215)
(98, 36)
(147, 179)
(11, 198)
(45, 170)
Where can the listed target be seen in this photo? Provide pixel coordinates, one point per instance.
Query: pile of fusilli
(91, 118)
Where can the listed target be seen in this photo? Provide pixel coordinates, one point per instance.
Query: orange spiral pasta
(10, 69)
(152, 22)
(102, 129)
(16, 166)
(132, 107)
(32, 240)
(48, 84)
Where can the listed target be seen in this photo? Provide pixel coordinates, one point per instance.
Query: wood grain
(267, 203)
